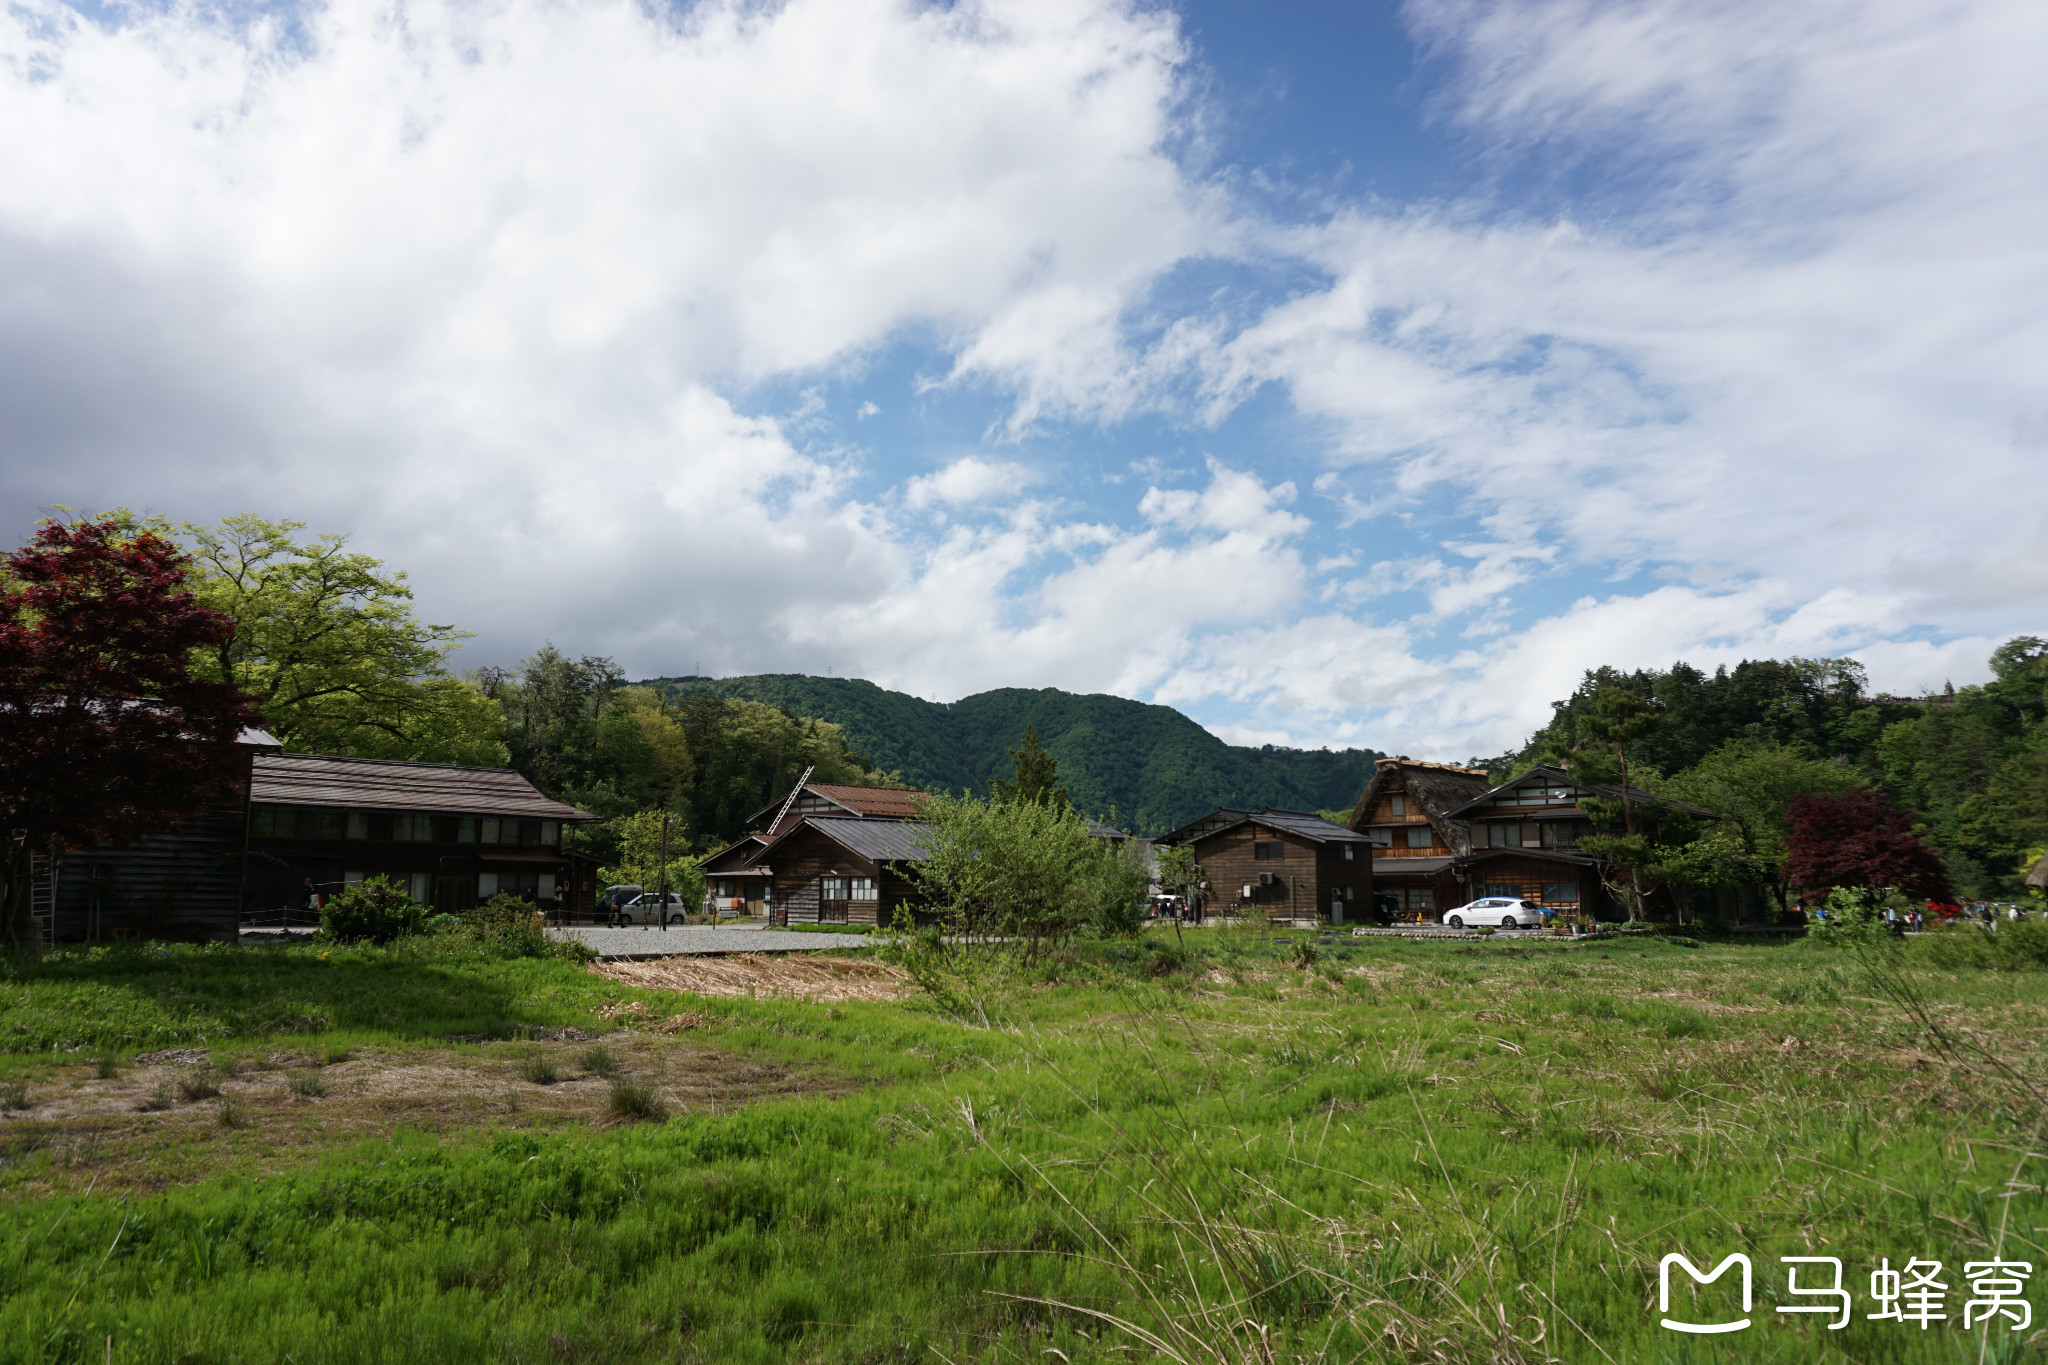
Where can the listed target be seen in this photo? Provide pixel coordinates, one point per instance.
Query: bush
(376, 910)
(509, 926)
(1852, 921)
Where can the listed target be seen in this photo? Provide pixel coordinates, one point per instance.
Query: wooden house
(1288, 864)
(1525, 841)
(451, 835)
(1405, 813)
(842, 869)
(740, 880)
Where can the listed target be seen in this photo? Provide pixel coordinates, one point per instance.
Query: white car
(646, 909)
(1504, 911)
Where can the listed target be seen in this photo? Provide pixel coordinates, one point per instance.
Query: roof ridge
(396, 762)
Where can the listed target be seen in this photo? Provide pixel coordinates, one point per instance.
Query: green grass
(1461, 1150)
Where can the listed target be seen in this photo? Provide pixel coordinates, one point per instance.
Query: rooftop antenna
(792, 798)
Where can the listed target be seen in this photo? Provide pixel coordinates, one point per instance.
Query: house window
(1380, 838)
(415, 829)
(1268, 851)
(529, 833)
(487, 831)
(465, 830)
(1560, 834)
(1503, 889)
(1350, 853)
(1560, 893)
(1419, 897)
(862, 889)
(421, 886)
(1420, 837)
(359, 824)
(1509, 835)
(1395, 806)
(550, 833)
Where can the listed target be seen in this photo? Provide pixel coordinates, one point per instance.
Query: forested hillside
(1150, 765)
(1971, 763)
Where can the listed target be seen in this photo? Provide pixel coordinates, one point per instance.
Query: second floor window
(1266, 851)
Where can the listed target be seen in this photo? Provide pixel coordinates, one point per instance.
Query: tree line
(1775, 765)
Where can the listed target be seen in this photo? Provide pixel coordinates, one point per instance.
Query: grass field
(1445, 1151)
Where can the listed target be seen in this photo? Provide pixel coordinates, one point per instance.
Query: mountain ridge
(1150, 766)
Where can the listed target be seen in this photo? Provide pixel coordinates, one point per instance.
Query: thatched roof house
(1430, 791)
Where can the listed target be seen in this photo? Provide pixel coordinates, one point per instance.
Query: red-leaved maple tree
(106, 733)
(1858, 840)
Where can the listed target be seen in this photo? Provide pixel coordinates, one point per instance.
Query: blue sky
(1341, 374)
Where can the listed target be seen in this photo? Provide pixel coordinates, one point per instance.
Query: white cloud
(491, 285)
(967, 480)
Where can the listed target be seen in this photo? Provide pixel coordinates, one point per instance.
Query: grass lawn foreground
(1253, 1150)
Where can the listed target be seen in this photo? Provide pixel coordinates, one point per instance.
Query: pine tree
(1037, 778)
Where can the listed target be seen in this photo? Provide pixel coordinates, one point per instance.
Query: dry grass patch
(759, 975)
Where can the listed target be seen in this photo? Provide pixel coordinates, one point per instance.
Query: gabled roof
(734, 856)
(283, 779)
(1606, 791)
(883, 803)
(1307, 824)
(882, 841)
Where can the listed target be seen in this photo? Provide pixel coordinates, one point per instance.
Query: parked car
(612, 897)
(647, 909)
(1504, 911)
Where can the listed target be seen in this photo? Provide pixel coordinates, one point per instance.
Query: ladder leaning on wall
(42, 899)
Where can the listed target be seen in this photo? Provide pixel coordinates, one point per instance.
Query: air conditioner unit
(1265, 879)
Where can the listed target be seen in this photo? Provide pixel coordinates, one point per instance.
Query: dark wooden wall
(1302, 877)
(800, 861)
(183, 885)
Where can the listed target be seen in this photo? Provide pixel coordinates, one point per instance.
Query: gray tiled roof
(1307, 824)
(390, 784)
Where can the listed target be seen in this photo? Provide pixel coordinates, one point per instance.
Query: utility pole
(663, 901)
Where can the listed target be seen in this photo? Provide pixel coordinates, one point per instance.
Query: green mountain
(1150, 765)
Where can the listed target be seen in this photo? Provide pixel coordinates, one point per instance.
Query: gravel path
(638, 942)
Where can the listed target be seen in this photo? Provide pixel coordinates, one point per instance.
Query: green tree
(639, 839)
(326, 643)
(553, 706)
(1748, 786)
(1619, 717)
(1028, 873)
(1037, 774)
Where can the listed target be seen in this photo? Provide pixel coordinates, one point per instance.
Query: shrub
(1852, 921)
(510, 926)
(106, 1068)
(307, 1087)
(538, 1067)
(198, 1085)
(229, 1114)
(600, 1062)
(376, 910)
(14, 1095)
